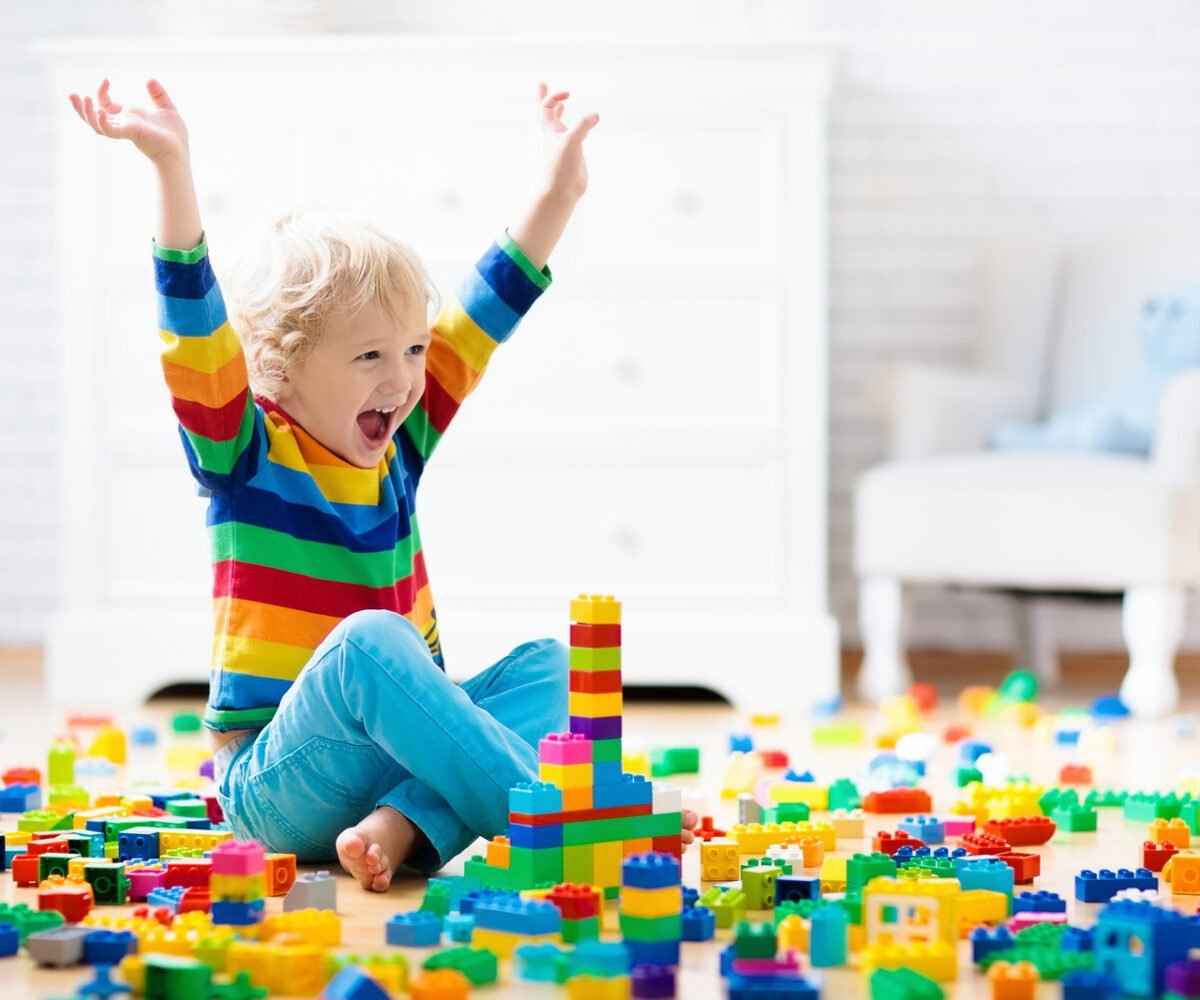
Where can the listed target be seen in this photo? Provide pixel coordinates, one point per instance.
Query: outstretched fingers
(158, 94)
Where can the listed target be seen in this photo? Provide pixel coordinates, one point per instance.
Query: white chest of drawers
(657, 428)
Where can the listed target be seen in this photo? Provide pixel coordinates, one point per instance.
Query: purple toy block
(607, 727)
(652, 981)
(1183, 978)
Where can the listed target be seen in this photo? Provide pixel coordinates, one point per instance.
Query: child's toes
(350, 846)
(382, 880)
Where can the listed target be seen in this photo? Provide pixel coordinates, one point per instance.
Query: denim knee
(391, 642)
(546, 661)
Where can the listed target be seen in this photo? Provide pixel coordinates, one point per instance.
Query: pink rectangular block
(142, 880)
(238, 857)
(1022, 920)
(789, 964)
(957, 826)
(565, 748)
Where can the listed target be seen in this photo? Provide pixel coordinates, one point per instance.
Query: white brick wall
(953, 121)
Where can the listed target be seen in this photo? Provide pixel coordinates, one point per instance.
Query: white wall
(953, 121)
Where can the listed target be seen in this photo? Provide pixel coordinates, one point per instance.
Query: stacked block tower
(651, 909)
(584, 816)
(238, 883)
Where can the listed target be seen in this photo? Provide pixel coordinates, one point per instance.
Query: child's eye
(368, 356)
(417, 350)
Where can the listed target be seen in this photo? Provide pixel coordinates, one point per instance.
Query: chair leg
(881, 621)
(1152, 622)
(1039, 650)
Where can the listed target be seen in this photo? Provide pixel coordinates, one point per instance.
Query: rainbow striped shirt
(301, 538)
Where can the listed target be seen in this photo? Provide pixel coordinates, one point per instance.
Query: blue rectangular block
(237, 914)
(606, 772)
(550, 835)
(20, 798)
(518, 916)
(535, 798)
(633, 790)
(653, 952)
(137, 843)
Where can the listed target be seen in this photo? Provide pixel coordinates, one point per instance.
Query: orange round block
(440, 984)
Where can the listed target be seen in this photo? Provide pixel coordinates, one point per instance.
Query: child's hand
(567, 175)
(690, 819)
(158, 131)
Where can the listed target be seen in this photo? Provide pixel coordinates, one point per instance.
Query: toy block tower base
(584, 816)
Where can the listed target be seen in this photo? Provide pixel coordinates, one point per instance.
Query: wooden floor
(1160, 755)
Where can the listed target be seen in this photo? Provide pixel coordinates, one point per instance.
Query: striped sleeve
(489, 304)
(205, 369)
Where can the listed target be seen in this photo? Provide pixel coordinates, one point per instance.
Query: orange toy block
(1183, 873)
(280, 873)
(499, 852)
(1013, 981)
(1173, 831)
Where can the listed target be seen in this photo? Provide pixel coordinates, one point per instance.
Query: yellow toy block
(245, 888)
(320, 928)
(833, 875)
(133, 972)
(980, 906)
(791, 934)
(596, 609)
(1013, 981)
(595, 706)
(816, 797)
(503, 943)
(290, 969)
(499, 852)
(80, 821)
(923, 910)
(719, 861)
(109, 744)
(754, 838)
(764, 719)
(132, 802)
(575, 799)
(566, 775)
(856, 938)
(742, 772)
(639, 845)
(76, 865)
(636, 762)
(16, 838)
(848, 824)
(1182, 871)
(652, 902)
(64, 798)
(606, 863)
(170, 840)
(1173, 831)
(936, 960)
(598, 988)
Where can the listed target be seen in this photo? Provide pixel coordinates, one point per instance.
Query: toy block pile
(652, 908)
(238, 883)
(583, 816)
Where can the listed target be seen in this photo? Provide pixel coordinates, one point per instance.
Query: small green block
(754, 940)
(666, 761)
(786, 812)
(668, 928)
(903, 984)
(964, 776)
(192, 808)
(583, 929)
(52, 863)
(437, 899)
(171, 977)
(479, 965)
(606, 751)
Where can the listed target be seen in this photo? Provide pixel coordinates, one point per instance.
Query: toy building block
(415, 929)
(903, 984)
(774, 759)
(1026, 867)
(861, 868)
(279, 873)
(1182, 979)
(742, 771)
(754, 940)
(59, 947)
(1074, 818)
(815, 796)
(907, 801)
(10, 940)
(935, 960)
(718, 861)
(727, 905)
(758, 883)
(1137, 941)
(828, 944)
(1173, 831)
(440, 984)
(1024, 831)
(652, 981)
(1182, 873)
(352, 983)
(1155, 856)
(982, 842)
(987, 940)
(927, 829)
(748, 809)
(985, 873)
(1101, 886)
(1017, 981)
(312, 890)
(848, 824)
(666, 761)
(601, 959)
(698, 923)
(541, 963)
(792, 888)
(73, 901)
(109, 884)
(1075, 774)
(889, 843)
(1039, 902)
(478, 965)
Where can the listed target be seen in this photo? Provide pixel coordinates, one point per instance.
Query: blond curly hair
(312, 266)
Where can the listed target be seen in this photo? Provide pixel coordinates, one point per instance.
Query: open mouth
(378, 425)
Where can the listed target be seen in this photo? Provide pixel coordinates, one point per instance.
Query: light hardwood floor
(1145, 756)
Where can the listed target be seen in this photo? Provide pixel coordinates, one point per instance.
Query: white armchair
(1056, 329)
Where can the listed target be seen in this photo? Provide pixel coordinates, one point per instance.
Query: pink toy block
(565, 748)
(142, 880)
(957, 826)
(238, 857)
(1022, 920)
(786, 964)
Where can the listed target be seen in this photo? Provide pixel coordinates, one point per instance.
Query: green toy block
(939, 867)
(1143, 807)
(1190, 814)
(727, 905)
(851, 902)
(171, 977)
(612, 892)
(844, 794)
(1053, 798)
(782, 864)
(758, 883)
(589, 658)
(532, 865)
(1020, 685)
(113, 828)
(665, 761)
(861, 868)
(599, 831)
(837, 734)
(52, 863)
(1109, 798)
(606, 751)
(478, 964)
(799, 908)
(577, 864)
(583, 929)
(185, 722)
(437, 899)
(1051, 962)
(1075, 819)
(491, 877)
(668, 928)
(108, 881)
(903, 984)
(753, 940)
(36, 820)
(964, 776)
(27, 921)
(786, 812)
(193, 808)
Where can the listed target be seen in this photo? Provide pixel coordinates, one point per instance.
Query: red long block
(188, 873)
(773, 758)
(1025, 831)
(595, 636)
(1075, 774)
(50, 845)
(889, 843)
(549, 819)
(672, 845)
(909, 801)
(21, 776)
(981, 842)
(1026, 867)
(595, 681)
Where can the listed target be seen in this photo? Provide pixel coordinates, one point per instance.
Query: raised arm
(202, 359)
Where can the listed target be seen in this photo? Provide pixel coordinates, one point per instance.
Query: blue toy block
(466, 905)
(353, 984)
(1136, 941)
(653, 952)
(166, 896)
(806, 777)
(985, 940)
(1087, 984)
(778, 987)
(826, 707)
(10, 940)
(101, 985)
(237, 914)
(535, 798)
(1109, 706)
(1039, 902)
(20, 798)
(741, 743)
(632, 790)
(1101, 886)
(550, 835)
(459, 926)
(606, 772)
(1066, 737)
(137, 843)
(793, 888)
(143, 736)
(518, 916)
(970, 751)
(605, 959)
(10, 853)
(926, 828)
(540, 963)
(828, 928)
(1077, 939)
(103, 947)
(690, 896)
(651, 870)
(417, 929)
(699, 923)
(985, 873)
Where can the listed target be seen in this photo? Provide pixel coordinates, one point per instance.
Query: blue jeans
(371, 720)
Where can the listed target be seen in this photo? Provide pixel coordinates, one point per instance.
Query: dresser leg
(881, 623)
(1152, 622)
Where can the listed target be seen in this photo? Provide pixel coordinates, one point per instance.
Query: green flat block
(170, 977)
(843, 794)
(669, 928)
(582, 658)
(534, 865)
(903, 984)
(478, 964)
(599, 831)
(861, 868)
(786, 812)
(606, 751)
(1109, 798)
(36, 820)
(1050, 962)
(666, 761)
(584, 929)
(1190, 814)
(577, 864)
(192, 808)
(1146, 807)
(115, 827)
(612, 892)
(491, 877)
(940, 867)
(28, 921)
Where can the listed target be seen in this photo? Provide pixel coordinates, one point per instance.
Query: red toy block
(1026, 867)
(924, 696)
(187, 873)
(575, 902)
(889, 843)
(1025, 831)
(25, 870)
(578, 815)
(595, 636)
(1075, 774)
(213, 807)
(672, 845)
(910, 801)
(981, 842)
(777, 759)
(1154, 856)
(706, 831)
(150, 812)
(595, 681)
(954, 732)
(80, 720)
(21, 776)
(47, 845)
(73, 902)
(195, 899)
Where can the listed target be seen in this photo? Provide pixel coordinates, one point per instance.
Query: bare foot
(687, 834)
(371, 850)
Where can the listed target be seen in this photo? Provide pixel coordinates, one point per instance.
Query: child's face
(363, 377)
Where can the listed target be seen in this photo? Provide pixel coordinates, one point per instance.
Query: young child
(334, 725)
